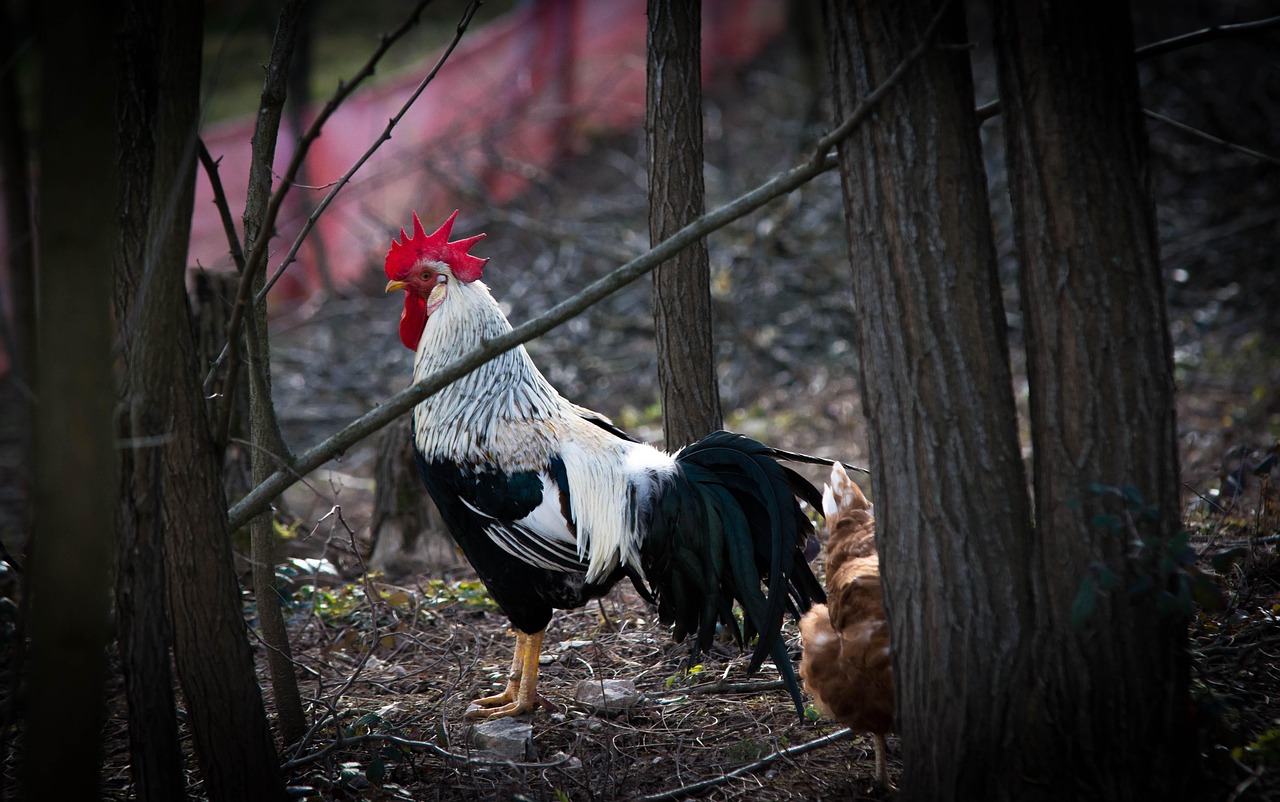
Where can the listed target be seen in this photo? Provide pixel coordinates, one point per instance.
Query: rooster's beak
(392, 286)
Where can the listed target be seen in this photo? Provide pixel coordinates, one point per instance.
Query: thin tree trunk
(952, 510)
(682, 286)
(74, 455)
(184, 514)
(1102, 403)
(269, 448)
(145, 634)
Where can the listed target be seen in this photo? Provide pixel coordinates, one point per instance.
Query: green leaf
(349, 773)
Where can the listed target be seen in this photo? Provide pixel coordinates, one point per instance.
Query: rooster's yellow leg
(521, 693)
(509, 693)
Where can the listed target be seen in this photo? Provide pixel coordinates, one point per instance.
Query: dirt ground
(389, 664)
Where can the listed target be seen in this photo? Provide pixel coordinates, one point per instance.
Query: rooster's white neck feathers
(486, 414)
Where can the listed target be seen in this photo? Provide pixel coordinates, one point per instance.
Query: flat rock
(505, 737)
(607, 696)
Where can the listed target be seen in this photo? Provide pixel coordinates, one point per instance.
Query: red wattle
(412, 321)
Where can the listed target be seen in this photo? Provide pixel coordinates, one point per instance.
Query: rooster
(845, 663)
(553, 505)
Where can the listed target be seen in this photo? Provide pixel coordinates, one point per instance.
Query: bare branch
(816, 163)
(463, 24)
(224, 210)
(419, 746)
(1207, 137)
(799, 749)
(1205, 35)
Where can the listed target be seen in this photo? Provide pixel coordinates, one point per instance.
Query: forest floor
(388, 664)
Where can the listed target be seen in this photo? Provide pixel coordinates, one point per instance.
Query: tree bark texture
(212, 301)
(173, 507)
(950, 487)
(269, 449)
(74, 459)
(682, 286)
(1102, 399)
(144, 633)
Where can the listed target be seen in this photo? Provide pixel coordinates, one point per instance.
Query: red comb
(407, 253)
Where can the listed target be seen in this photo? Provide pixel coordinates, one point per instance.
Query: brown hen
(846, 665)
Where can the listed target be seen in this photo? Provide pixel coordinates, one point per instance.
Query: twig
(1196, 132)
(818, 162)
(685, 790)
(1254, 776)
(988, 110)
(224, 208)
(377, 737)
(722, 686)
(1204, 35)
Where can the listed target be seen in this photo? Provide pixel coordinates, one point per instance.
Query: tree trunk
(409, 536)
(682, 286)
(75, 460)
(1102, 402)
(269, 449)
(175, 503)
(212, 302)
(951, 498)
(145, 635)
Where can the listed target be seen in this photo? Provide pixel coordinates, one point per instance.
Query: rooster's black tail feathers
(726, 525)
